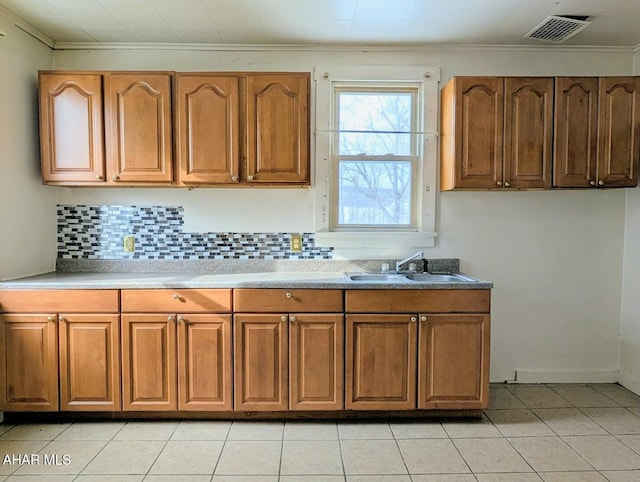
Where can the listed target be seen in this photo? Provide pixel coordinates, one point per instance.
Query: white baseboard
(567, 376)
(629, 382)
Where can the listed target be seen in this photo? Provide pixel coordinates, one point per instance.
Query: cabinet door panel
(261, 362)
(381, 362)
(29, 355)
(453, 360)
(619, 131)
(204, 362)
(278, 128)
(208, 128)
(528, 132)
(149, 362)
(479, 118)
(71, 129)
(138, 122)
(89, 362)
(317, 362)
(576, 131)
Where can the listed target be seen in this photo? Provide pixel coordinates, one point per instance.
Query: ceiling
(340, 22)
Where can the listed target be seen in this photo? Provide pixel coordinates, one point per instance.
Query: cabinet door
(453, 361)
(205, 381)
(619, 131)
(472, 128)
(149, 362)
(208, 128)
(576, 132)
(71, 130)
(89, 362)
(29, 356)
(317, 362)
(261, 362)
(138, 127)
(528, 132)
(278, 128)
(381, 362)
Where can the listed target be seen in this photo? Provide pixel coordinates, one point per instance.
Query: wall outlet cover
(129, 244)
(296, 243)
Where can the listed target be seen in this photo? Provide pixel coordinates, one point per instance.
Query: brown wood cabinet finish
(381, 362)
(177, 300)
(149, 362)
(277, 122)
(29, 360)
(138, 127)
(453, 362)
(576, 132)
(208, 128)
(528, 132)
(249, 300)
(89, 362)
(316, 360)
(205, 378)
(618, 131)
(76, 154)
(418, 301)
(57, 301)
(261, 348)
(472, 133)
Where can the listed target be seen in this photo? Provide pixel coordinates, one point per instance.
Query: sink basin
(439, 278)
(376, 278)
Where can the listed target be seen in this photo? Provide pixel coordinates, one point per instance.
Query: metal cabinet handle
(289, 294)
(116, 177)
(170, 319)
(51, 318)
(414, 319)
(423, 318)
(592, 183)
(499, 183)
(249, 178)
(293, 319)
(507, 184)
(181, 319)
(176, 296)
(283, 318)
(99, 176)
(234, 178)
(600, 183)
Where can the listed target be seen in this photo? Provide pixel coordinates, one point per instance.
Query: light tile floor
(547, 432)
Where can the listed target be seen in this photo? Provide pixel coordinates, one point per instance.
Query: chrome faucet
(399, 264)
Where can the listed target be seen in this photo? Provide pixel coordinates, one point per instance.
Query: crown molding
(337, 47)
(26, 28)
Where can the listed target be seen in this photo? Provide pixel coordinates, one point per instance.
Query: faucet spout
(399, 264)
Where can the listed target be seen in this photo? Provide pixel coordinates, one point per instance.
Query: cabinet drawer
(418, 301)
(56, 301)
(289, 301)
(177, 301)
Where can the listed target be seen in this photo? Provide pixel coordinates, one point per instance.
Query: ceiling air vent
(558, 28)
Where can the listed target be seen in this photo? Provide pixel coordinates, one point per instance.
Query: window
(375, 157)
(376, 149)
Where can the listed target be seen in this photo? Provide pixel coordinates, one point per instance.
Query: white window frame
(378, 243)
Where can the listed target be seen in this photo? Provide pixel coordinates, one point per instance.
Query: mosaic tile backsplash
(97, 232)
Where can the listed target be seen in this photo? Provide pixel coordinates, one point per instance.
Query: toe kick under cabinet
(247, 350)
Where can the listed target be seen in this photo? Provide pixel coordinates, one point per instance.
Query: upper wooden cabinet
(243, 128)
(71, 131)
(208, 128)
(597, 132)
(138, 127)
(496, 133)
(105, 128)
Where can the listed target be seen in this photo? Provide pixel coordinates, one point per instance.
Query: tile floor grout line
(224, 444)
(160, 452)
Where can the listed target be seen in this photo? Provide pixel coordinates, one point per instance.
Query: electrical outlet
(295, 244)
(129, 243)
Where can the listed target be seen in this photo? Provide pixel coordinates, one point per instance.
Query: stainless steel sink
(376, 278)
(439, 278)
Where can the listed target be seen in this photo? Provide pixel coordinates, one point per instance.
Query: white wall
(630, 316)
(555, 257)
(28, 216)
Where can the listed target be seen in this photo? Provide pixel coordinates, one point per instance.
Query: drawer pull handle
(283, 318)
(414, 319)
(289, 294)
(293, 319)
(51, 318)
(423, 318)
(176, 296)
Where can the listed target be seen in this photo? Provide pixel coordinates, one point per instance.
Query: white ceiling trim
(334, 47)
(25, 27)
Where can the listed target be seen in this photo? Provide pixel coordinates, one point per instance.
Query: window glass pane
(374, 192)
(384, 115)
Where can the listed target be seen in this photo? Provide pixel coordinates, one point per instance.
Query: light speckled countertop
(270, 279)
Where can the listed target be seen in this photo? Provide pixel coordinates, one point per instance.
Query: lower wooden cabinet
(149, 362)
(453, 361)
(316, 362)
(89, 362)
(381, 362)
(29, 381)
